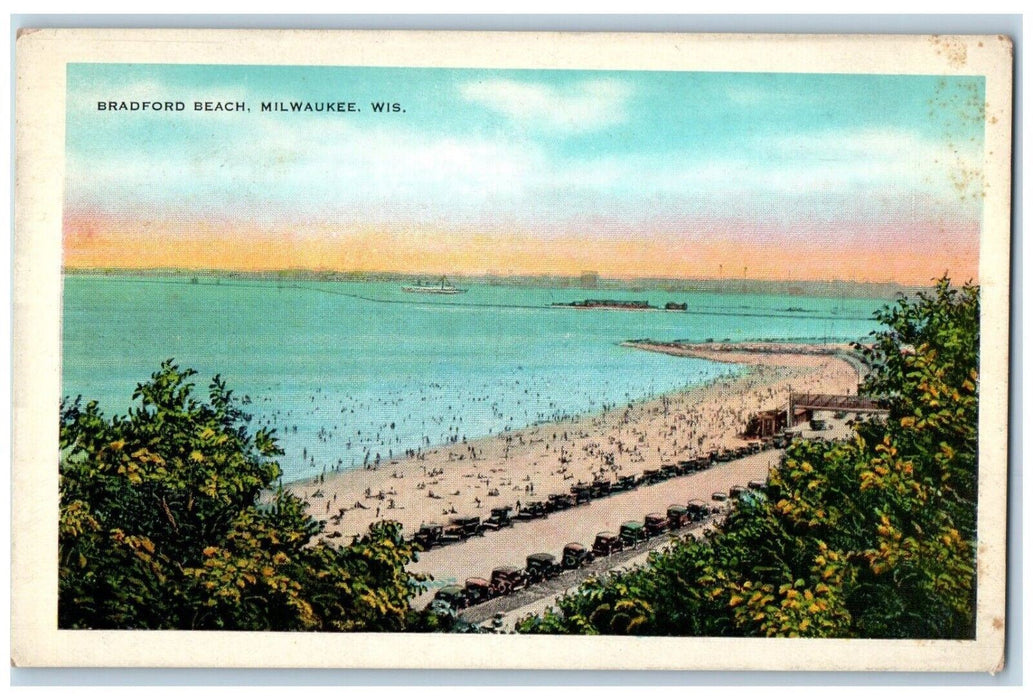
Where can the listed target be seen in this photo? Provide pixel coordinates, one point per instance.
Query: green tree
(871, 537)
(169, 520)
(925, 366)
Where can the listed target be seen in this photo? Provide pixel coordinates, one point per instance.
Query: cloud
(584, 107)
(281, 171)
(358, 174)
(879, 145)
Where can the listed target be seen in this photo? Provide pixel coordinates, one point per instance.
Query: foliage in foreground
(162, 527)
(873, 537)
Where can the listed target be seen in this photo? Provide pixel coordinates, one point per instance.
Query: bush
(169, 520)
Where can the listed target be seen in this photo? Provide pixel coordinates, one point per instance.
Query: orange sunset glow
(91, 243)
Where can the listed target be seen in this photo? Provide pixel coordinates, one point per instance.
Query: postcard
(510, 350)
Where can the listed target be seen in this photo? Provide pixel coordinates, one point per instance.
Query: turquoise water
(349, 371)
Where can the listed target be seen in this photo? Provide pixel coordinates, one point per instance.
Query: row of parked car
(462, 528)
(543, 566)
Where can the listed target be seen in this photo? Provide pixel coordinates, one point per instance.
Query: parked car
(651, 476)
(452, 534)
(478, 590)
(757, 485)
(582, 493)
(560, 501)
(429, 535)
(725, 456)
(736, 491)
(500, 517)
(633, 532)
(719, 496)
(469, 525)
(655, 523)
(677, 516)
(542, 566)
(668, 471)
(576, 555)
(601, 488)
(454, 596)
(506, 579)
(698, 510)
(532, 510)
(625, 483)
(606, 543)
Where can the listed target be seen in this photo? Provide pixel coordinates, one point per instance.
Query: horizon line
(66, 269)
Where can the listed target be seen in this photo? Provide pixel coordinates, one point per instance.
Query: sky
(626, 173)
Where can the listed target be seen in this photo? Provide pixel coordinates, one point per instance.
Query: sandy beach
(469, 478)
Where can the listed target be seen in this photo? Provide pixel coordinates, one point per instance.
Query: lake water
(347, 371)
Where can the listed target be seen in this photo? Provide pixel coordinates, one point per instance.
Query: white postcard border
(40, 94)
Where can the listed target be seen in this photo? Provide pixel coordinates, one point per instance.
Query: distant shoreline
(455, 300)
(804, 288)
(752, 352)
(712, 350)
